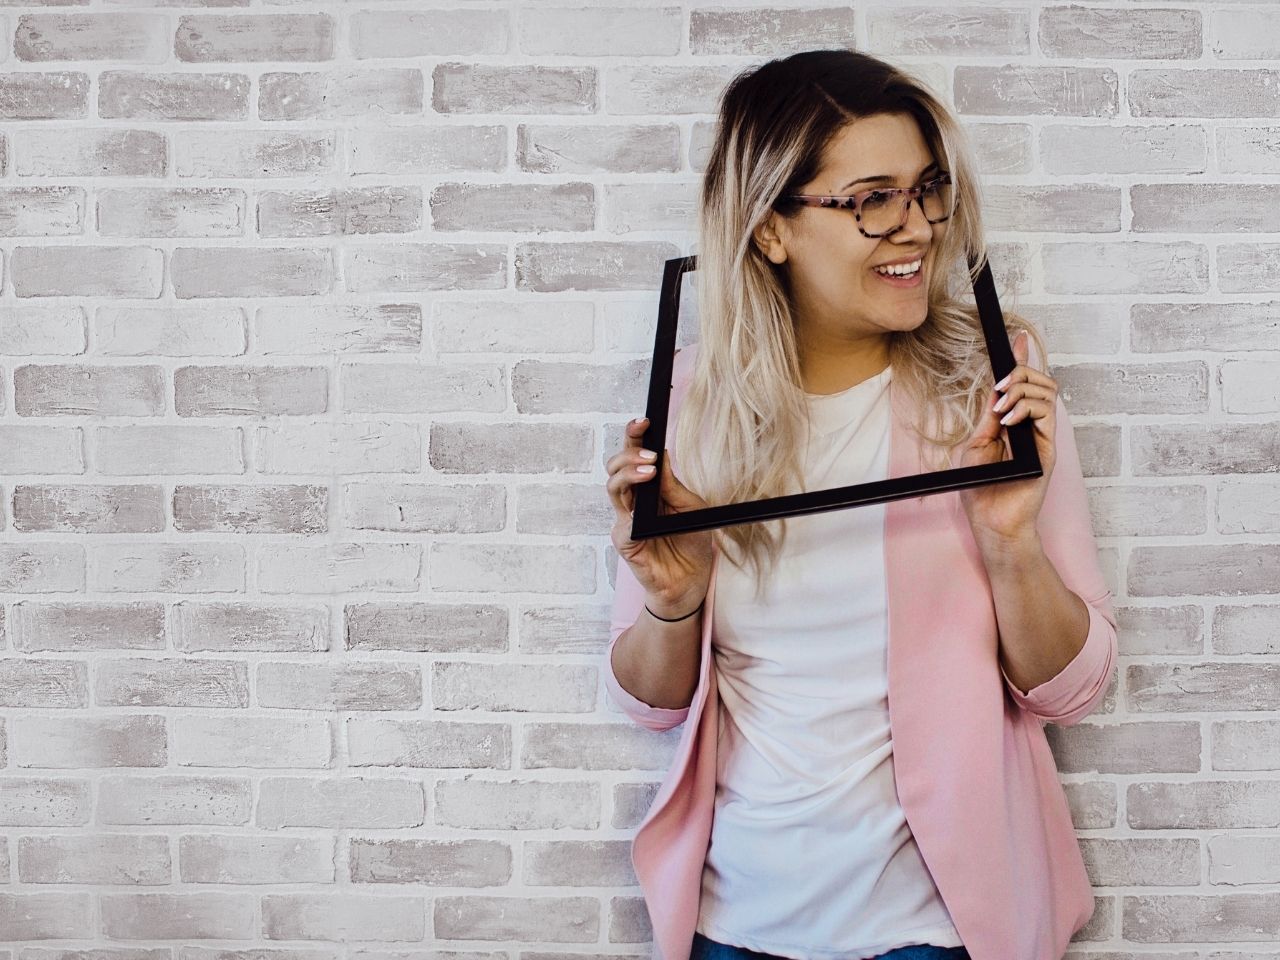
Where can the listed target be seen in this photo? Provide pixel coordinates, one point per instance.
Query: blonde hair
(744, 419)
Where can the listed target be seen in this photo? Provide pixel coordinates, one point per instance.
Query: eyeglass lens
(883, 211)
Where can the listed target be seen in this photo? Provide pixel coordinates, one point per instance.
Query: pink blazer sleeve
(1066, 531)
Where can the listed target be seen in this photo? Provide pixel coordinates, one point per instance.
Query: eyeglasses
(883, 211)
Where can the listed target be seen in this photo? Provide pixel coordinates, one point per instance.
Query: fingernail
(1003, 383)
(1000, 404)
(648, 454)
(1006, 417)
(645, 468)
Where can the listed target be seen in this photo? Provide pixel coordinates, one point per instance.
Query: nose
(915, 227)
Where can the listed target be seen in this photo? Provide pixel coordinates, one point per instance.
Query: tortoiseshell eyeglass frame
(854, 202)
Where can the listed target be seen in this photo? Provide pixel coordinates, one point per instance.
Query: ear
(769, 239)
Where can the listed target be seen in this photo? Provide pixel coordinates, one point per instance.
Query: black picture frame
(647, 522)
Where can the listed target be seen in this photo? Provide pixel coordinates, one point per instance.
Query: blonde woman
(863, 770)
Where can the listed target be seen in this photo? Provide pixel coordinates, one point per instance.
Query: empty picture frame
(648, 522)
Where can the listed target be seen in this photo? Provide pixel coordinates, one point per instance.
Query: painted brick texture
(318, 322)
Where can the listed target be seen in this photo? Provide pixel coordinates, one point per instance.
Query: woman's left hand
(1006, 511)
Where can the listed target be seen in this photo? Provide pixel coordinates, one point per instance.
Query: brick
(509, 447)
(937, 31)
(39, 802)
(1121, 267)
(639, 207)
(1248, 267)
(1117, 148)
(215, 38)
(617, 148)
(1205, 207)
(769, 32)
(535, 569)
(357, 210)
(34, 567)
(43, 683)
(141, 859)
(257, 741)
(446, 862)
(1242, 860)
(664, 88)
(138, 37)
(1078, 32)
(46, 916)
(543, 266)
(413, 267)
(1183, 449)
(1249, 386)
(1247, 149)
(521, 327)
(1015, 90)
(339, 568)
(174, 916)
(1206, 93)
(586, 31)
(254, 154)
(136, 740)
(163, 212)
(1141, 861)
(166, 450)
(441, 148)
(368, 447)
(164, 800)
(351, 802)
(578, 863)
(595, 746)
(1246, 628)
(1244, 34)
(1160, 630)
(1108, 388)
(76, 389)
(172, 683)
(246, 390)
(341, 685)
(1245, 745)
(522, 89)
(263, 627)
(427, 627)
(1203, 804)
(137, 625)
(521, 687)
(333, 328)
(41, 449)
(1248, 507)
(524, 207)
(171, 330)
(89, 152)
(51, 95)
(471, 803)
(42, 211)
(260, 508)
(343, 917)
(129, 95)
(1202, 687)
(428, 743)
(1183, 919)
(1221, 327)
(182, 568)
(1135, 746)
(250, 272)
(208, 858)
(539, 919)
(339, 93)
(44, 328)
(1230, 570)
(421, 388)
(102, 508)
(432, 33)
(87, 271)
(424, 507)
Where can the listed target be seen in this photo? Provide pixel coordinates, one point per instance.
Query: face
(837, 295)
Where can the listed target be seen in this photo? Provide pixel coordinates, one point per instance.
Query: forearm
(658, 662)
(1042, 624)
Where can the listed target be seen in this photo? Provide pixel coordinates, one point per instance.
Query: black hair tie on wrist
(677, 619)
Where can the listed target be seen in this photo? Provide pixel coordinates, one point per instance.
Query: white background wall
(318, 323)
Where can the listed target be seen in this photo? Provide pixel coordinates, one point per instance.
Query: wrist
(674, 609)
(1007, 550)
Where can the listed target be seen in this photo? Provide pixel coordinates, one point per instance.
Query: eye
(875, 196)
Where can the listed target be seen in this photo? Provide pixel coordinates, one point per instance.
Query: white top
(810, 854)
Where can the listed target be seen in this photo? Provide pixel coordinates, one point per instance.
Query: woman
(866, 773)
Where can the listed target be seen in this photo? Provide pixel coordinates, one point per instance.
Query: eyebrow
(881, 177)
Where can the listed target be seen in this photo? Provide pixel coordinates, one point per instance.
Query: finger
(1025, 374)
(987, 429)
(1021, 347)
(1017, 391)
(1027, 407)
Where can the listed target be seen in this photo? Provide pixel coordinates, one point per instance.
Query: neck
(829, 365)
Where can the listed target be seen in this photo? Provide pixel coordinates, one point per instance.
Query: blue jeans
(704, 948)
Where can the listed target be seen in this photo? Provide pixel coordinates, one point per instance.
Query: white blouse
(810, 854)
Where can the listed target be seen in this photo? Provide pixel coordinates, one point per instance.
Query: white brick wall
(317, 324)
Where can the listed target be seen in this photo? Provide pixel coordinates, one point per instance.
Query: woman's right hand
(675, 570)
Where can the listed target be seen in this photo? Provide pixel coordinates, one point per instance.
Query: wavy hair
(744, 420)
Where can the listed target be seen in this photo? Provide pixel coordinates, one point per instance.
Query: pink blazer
(974, 772)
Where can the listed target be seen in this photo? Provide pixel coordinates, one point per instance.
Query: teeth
(901, 270)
